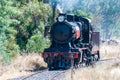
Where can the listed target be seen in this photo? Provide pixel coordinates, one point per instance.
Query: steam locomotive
(73, 43)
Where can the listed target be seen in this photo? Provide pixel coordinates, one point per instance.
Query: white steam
(65, 5)
(69, 5)
(60, 8)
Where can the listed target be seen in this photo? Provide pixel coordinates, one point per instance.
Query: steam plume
(65, 5)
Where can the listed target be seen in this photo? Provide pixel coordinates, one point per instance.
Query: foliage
(33, 15)
(36, 44)
(105, 16)
(20, 23)
(8, 46)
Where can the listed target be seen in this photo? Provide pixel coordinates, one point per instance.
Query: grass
(107, 51)
(21, 66)
(102, 71)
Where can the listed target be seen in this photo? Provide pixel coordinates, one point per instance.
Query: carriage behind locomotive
(73, 42)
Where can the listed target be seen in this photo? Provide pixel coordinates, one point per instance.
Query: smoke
(60, 8)
(69, 5)
(65, 5)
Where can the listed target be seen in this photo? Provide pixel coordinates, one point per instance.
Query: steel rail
(59, 73)
(35, 74)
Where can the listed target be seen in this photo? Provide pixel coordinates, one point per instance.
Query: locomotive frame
(73, 43)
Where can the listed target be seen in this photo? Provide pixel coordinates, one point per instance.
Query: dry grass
(105, 71)
(30, 62)
(21, 65)
(107, 51)
(102, 71)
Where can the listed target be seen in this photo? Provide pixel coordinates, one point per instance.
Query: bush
(36, 43)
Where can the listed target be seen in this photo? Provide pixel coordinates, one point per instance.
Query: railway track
(109, 59)
(59, 74)
(44, 75)
(35, 74)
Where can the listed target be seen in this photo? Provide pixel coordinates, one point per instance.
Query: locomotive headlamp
(61, 18)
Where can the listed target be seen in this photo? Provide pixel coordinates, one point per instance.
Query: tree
(35, 15)
(8, 46)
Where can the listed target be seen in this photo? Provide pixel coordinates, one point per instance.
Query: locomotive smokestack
(54, 5)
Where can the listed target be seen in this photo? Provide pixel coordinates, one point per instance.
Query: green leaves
(32, 21)
(36, 43)
(105, 16)
(8, 46)
(21, 27)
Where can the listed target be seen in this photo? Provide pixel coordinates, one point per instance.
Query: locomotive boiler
(72, 43)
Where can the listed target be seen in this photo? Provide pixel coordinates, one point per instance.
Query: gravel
(46, 75)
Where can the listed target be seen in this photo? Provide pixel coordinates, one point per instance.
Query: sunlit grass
(102, 71)
(107, 51)
(107, 71)
(21, 65)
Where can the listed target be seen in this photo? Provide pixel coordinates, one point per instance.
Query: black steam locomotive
(73, 43)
